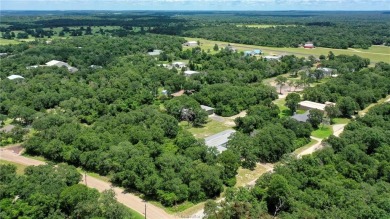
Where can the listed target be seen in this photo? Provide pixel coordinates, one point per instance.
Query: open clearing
(263, 25)
(374, 53)
(246, 176)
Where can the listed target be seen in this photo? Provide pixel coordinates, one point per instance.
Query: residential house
(179, 65)
(268, 58)
(61, 64)
(219, 140)
(308, 105)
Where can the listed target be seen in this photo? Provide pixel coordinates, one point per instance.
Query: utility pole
(145, 209)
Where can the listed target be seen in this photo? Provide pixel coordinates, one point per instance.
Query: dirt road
(129, 200)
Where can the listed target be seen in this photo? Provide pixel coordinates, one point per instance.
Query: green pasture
(374, 53)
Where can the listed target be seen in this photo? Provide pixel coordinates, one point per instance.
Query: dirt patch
(16, 148)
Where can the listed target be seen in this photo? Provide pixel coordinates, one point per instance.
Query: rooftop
(312, 105)
(12, 77)
(206, 107)
(301, 117)
(219, 140)
(190, 72)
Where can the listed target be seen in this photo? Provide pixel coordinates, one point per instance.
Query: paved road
(129, 200)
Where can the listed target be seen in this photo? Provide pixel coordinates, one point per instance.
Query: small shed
(209, 110)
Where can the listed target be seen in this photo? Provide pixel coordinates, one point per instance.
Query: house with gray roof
(219, 140)
(209, 110)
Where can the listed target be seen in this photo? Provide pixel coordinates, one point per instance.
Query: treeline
(340, 37)
(353, 91)
(49, 191)
(348, 179)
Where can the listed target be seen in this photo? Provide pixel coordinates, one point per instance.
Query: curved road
(129, 200)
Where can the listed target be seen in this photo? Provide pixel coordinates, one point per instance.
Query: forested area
(49, 191)
(347, 179)
(353, 91)
(111, 116)
(325, 29)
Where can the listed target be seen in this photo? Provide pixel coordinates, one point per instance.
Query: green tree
(332, 111)
(215, 48)
(347, 106)
(292, 101)
(315, 117)
(280, 81)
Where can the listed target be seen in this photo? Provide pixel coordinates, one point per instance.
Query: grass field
(264, 25)
(212, 127)
(322, 132)
(19, 167)
(245, 176)
(7, 42)
(311, 143)
(341, 120)
(374, 53)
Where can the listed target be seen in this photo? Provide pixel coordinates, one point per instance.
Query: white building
(190, 72)
(190, 43)
(61, 64)
(13, 77)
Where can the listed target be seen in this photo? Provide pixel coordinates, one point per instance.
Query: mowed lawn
(210, 128)
(374, 53)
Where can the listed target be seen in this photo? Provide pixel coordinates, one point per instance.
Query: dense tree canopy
(49, 191)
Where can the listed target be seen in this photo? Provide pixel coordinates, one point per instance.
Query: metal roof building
(190, 72)
(219, 140)
(311, 105)
(301, 117)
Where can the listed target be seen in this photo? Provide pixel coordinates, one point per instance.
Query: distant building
(308, 45)
(179, 64)
(13, 77)
(61, 64)
(155, 52)
(268, 58)
(328, 71)
(164, 92)
(95, 66)
(3, 54)
(190, 72)
(190, 43)
(219, 140)
(252, 52)
(209, 110)
(231, 48)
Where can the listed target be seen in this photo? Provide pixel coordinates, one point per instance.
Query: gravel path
(128, 199)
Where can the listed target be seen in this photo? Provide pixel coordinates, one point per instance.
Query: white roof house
(179, 64)
(189, 73)
(61, 64)
(155, 52)
(272, 57)
(219, 140)
(13, 77)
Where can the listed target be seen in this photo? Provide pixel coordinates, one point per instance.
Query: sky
(259, 5)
